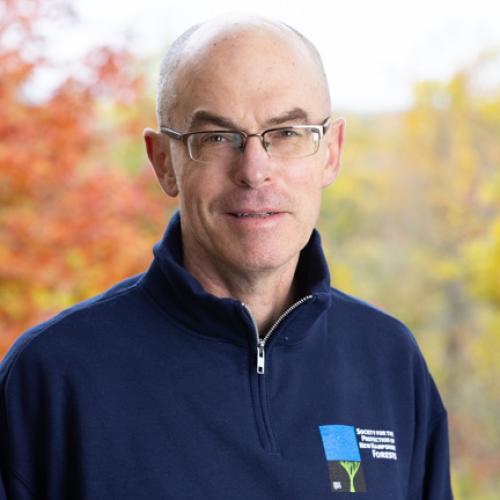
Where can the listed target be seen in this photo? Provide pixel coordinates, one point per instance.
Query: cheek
(199, 187)
(307, 188)
(306, 181)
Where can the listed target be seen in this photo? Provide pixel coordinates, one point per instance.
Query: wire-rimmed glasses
(290, 142)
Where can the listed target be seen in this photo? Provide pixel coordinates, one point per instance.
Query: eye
(215, 138)
(288, 132)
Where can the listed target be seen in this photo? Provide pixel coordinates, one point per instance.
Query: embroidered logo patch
(344, 460)
(342, 445)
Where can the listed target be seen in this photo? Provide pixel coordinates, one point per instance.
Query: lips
(253, 214)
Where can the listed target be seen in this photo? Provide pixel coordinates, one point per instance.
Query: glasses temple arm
(172, 133)
(326, 124)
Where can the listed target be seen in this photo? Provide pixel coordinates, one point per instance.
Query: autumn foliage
(73, 221)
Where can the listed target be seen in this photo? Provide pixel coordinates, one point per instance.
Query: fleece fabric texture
(150, 391)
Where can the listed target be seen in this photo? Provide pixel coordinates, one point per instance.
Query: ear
(159, 155)
(334, 141)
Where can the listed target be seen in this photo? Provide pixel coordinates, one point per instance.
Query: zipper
(261, 342)
(258, 384)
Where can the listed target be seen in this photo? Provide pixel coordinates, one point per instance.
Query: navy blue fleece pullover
(151, 391)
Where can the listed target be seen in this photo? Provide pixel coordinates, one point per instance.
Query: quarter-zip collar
(183, 298)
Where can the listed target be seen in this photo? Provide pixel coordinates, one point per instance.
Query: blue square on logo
(340, 442)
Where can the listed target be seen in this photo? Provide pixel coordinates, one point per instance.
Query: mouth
(262, 214)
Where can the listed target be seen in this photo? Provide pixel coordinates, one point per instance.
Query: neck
(266, 293)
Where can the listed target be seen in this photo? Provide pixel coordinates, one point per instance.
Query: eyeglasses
(295, 141)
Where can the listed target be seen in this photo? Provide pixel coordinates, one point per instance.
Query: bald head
(228, 39)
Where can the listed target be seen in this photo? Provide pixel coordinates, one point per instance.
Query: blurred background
(412, 225)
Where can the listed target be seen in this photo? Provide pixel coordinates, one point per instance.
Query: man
(230, 369)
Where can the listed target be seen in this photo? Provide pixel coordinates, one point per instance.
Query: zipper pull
(260, 357)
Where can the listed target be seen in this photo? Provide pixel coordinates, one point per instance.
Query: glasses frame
(184, 137)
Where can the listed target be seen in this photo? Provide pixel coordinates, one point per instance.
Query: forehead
(249, 74)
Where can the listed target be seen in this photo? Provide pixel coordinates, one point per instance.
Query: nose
(253, 167)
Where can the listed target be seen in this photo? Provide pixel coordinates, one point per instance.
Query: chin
(254, 261)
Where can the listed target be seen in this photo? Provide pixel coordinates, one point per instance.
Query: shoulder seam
(436, 418)
(58, 319)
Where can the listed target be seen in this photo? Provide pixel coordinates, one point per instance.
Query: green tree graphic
(351, 468)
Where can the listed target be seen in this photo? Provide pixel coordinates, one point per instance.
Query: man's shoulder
(82, 319)
(360, 317)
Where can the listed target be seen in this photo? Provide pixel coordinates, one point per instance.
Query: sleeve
(436, 484)
(430, 471)
(11, 486)
(32, 386)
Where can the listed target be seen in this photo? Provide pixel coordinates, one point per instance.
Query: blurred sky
(373, 50)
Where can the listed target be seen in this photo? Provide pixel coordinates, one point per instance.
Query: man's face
(256, 213)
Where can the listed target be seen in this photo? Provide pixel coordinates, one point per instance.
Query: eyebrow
(203, 117)
(294, 115)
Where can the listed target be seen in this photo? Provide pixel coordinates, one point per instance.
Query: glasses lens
(214, 146)
(292, 142)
